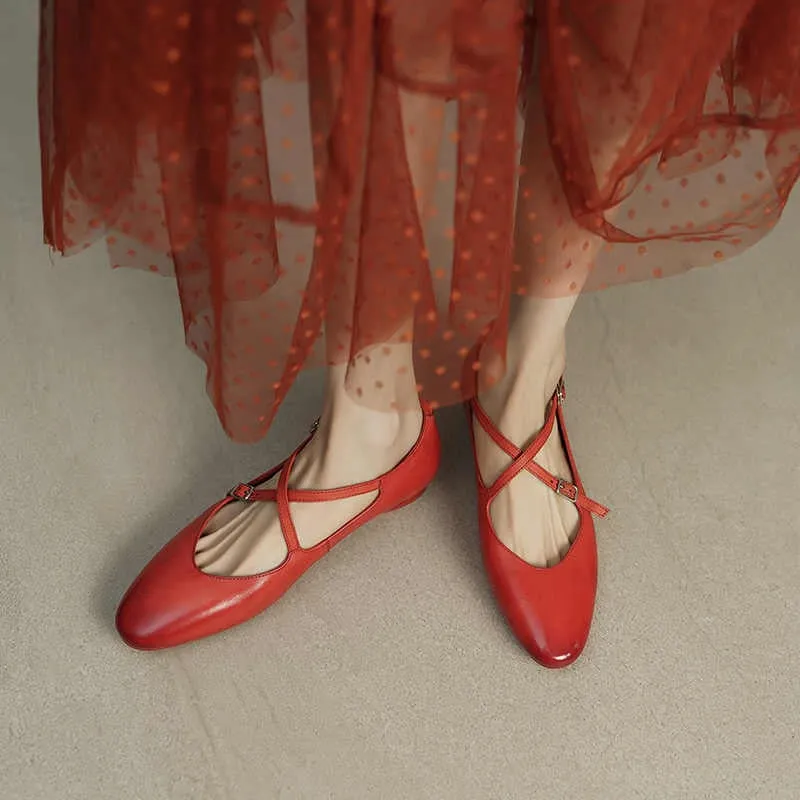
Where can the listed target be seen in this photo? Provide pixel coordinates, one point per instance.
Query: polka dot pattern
(338, 181)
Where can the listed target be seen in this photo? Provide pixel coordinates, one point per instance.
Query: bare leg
(353, 442)
(556, 254)
(529, 518)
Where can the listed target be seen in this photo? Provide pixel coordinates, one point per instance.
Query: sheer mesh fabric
(331, 179)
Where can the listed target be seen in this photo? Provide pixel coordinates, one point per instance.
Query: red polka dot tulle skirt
(329, 180)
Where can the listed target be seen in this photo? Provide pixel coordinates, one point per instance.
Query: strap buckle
(561, 392)
(568, 490)
(242, 491)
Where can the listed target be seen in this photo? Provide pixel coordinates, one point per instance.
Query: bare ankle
(524, 389)
(355, 443)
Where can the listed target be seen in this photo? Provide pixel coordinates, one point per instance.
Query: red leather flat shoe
(173, 601)
(549, 608)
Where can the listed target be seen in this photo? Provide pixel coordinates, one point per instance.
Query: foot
(529, 518)
(352, 444)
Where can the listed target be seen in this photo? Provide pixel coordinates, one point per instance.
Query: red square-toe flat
(549, 609)
(173, 602)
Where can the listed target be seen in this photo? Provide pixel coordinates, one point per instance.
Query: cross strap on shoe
(523, 459)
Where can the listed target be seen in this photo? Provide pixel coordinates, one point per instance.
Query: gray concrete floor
(387, 672)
